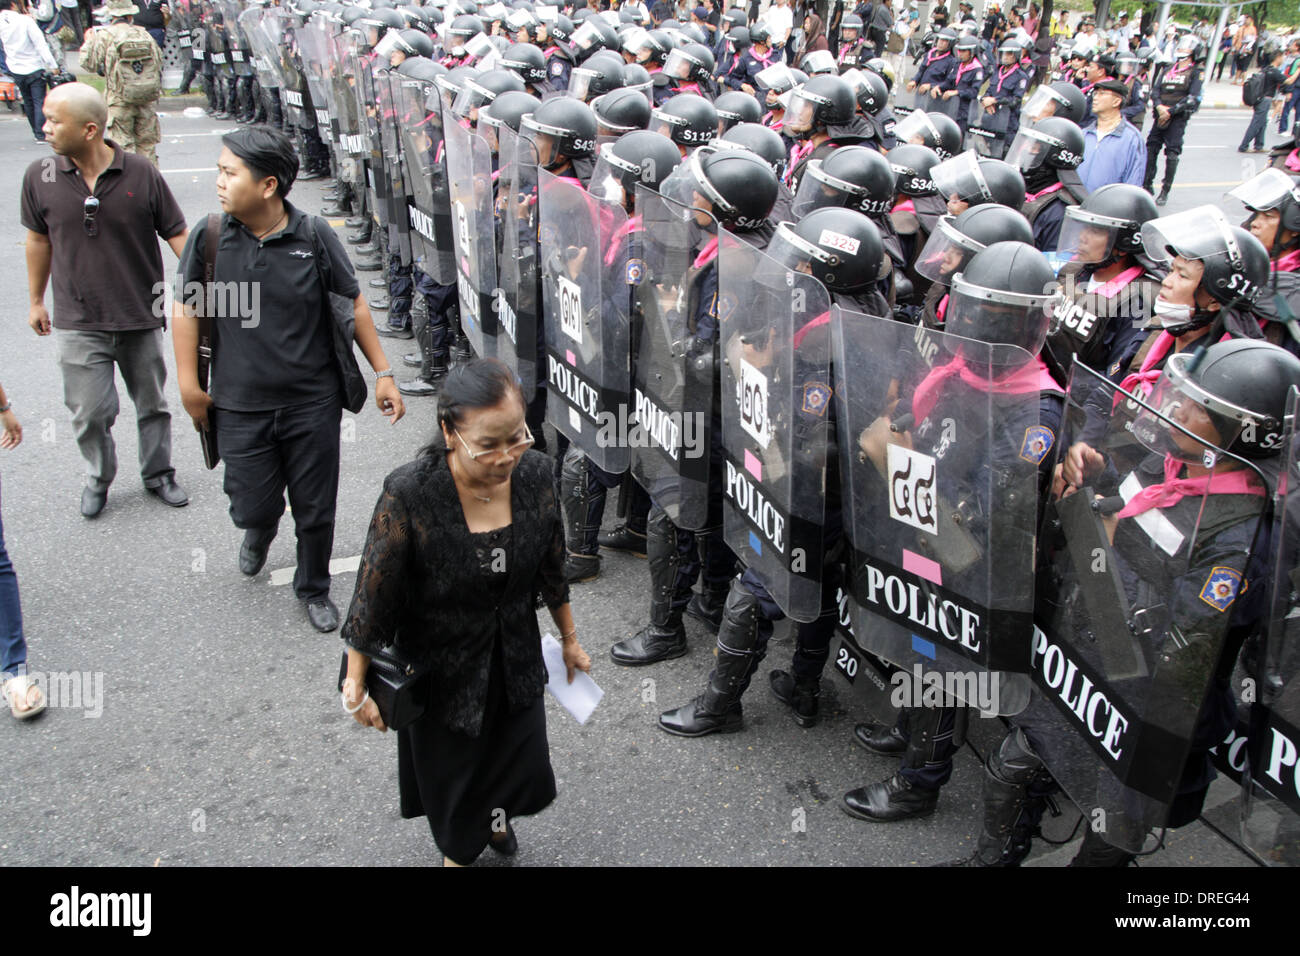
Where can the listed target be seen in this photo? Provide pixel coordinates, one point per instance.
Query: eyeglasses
(510, 451)
(89, 210)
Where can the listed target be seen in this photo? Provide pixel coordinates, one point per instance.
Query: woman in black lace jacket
(465, 545)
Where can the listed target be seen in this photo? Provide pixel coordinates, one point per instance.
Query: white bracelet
(360, 704)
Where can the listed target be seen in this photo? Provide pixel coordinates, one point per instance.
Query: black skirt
(463, 784)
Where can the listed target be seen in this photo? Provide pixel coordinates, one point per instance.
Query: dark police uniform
(1180, 90)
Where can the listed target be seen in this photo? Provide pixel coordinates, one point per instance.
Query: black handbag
(211, 239)
(341, 313)
(399, 688)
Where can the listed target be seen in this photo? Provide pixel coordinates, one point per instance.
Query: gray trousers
(87, 360)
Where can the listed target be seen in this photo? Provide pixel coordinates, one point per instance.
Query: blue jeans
(13, 648)
(32, 87)
(1291, 106)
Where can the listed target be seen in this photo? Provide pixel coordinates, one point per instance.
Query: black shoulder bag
(211, 239)
(341, 315)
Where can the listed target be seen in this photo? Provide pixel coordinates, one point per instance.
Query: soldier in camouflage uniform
(132, 124)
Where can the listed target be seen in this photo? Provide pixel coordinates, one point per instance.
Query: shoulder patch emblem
(816, 396)
(1037, 443)
(1220, 588)
(557, 68)
(635, 271)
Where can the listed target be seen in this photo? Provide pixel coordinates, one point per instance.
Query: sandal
(18, 690)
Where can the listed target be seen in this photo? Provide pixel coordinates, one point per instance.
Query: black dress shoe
(882, 739)
(508, 845)
(388, 332)
(324, 616)
(369, 249)
(704, 715)
(252, 553)
(335, 212)
(413, 359)
(1163, 197)
(624, 539)
(378, 305)
(889, 800)
(358, 238)
(368, 265)
(580, 568)
(649, 646)
(308, 176)
(355, 222)
(171, 493)
(92, 502)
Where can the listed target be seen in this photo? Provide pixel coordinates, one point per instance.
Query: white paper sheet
(579, 698)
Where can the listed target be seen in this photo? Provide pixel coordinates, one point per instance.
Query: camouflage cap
(118, 8)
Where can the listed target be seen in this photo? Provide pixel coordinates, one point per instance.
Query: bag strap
(211, 239)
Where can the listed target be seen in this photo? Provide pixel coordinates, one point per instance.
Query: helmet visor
(775, 77)
(387, 45)
(678, 65)
(586, 37)
(819, 61)
(470, 98)
(1266, 191)
(688, 185)
(1041, 104)
(1127, 66)
(792, 251)
(1213, 423)
(961, 177)
(946, 252)
(1029, 149)
(636, 41)
(916, 127)
(799, 112)
(1087, 237)
(1009, 321)
(609, 175)
(1199, 233)
(580, 82)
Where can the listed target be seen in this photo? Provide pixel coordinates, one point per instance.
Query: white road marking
(196, 169)
(337, 566)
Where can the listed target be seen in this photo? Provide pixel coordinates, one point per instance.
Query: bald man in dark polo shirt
(275, 397)
(93, 216)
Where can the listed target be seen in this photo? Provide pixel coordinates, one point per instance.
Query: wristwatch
(386, 373)
(5, 408)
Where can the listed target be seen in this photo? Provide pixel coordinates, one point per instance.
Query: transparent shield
(399, 226)
(986, 130)
(961, 176)
(673, 371)
(259, 28)
(316, 60)
(586, 306)
(1270, 796)
(295, 80)
(940, 471)
(774, 342)
(469, 175)
(518, 311)
(1133, 605)
(428, 205)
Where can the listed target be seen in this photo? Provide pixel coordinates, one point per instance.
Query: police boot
(884, 739)
(1171, 167)
(800, 694)
(1149, 177)
(899, 797)
(460, 349)
(706, 606)
(361, 237)
(373, 262)
(740, 649)
(1096, 852)
(664, 637)
(623, 538)
(577, 502)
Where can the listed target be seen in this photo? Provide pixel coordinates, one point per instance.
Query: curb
(179, 103)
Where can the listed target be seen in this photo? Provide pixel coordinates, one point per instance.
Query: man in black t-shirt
(275, 397)
(1273, 79)
(153, 16)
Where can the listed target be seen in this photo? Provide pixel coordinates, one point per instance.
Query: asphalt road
(219, 737)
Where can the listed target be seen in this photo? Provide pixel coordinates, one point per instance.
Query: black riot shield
(1270, 796)
(518, 309)
(428, 208)
(240, 60)
(291, 68)
(387, 83)
(354, 147)
(774, 334)
(986, 132)
(1133, 604)
(673, 370)
(317, 57)
(588, 372)
(363, 65)
(469, 176)
(940, 474)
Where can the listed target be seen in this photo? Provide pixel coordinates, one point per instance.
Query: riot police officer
(1048, 155)
(737, 189)
(815, 245)
(822, 117)
(853, 46)
(1177, 96)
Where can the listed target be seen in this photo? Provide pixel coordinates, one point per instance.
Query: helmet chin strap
(1038, 179)
(1199, 320)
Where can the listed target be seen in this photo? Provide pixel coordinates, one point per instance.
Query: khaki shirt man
(133, 125)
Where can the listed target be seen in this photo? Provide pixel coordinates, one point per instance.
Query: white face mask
(1171, 315)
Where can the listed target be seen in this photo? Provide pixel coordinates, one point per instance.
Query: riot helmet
(851, 177)
(870, 90)
(850, 28)
(414, 43)
(820, 102)
(636, 157)
(819, 62)
(561, 129)
(692, 62)
(934, 130)
(508, 109)
(878, 66)
(736, 107)
(595, 77)
(973, 180)
(592, 35)
(912, 164)
(1271, 202)
(737, 187)
(1055, 99)
(526, 60)
(760, 140)
(1106, 225)
(1199, 246)
(956, 239)
(841, 248)
(620, 111)
(688, 119)
(1004, 296)
(484, 88)
(1055, 142)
